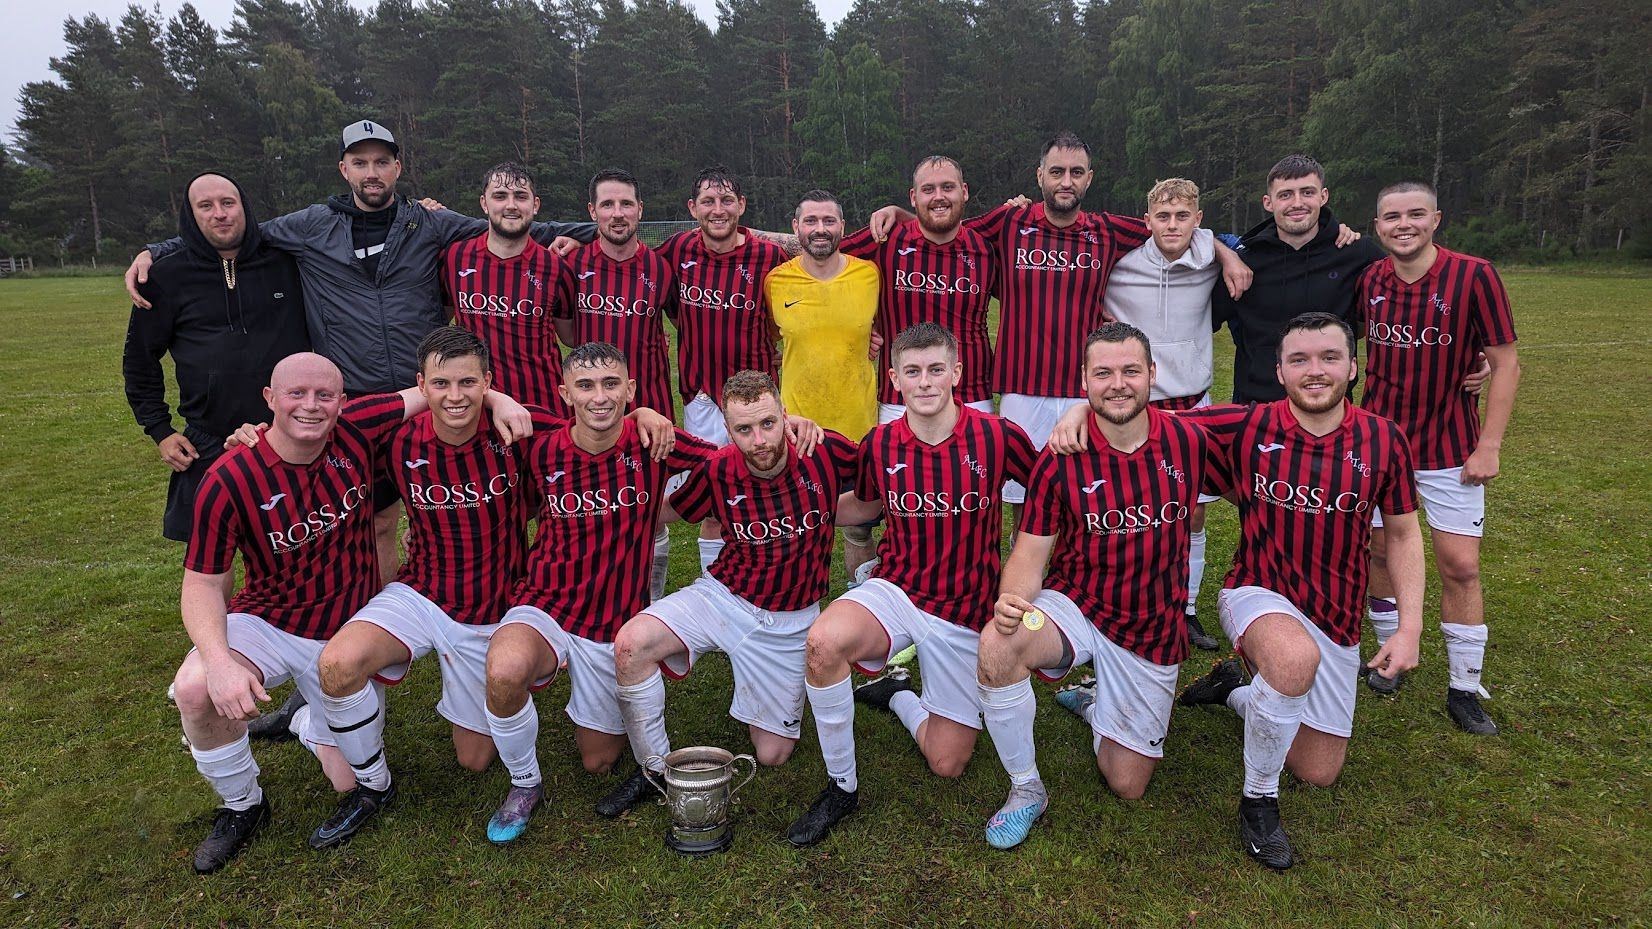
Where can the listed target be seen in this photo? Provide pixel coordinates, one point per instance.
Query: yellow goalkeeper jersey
(826, 329)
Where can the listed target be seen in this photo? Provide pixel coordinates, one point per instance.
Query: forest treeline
(1531, 118)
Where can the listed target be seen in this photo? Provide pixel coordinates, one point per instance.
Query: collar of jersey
(1100, 445)
(904, 433)
(1291, 425)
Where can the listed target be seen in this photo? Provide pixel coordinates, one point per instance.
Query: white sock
(1385, 617)
(232, 772)
(709, 549)
(834, 711)
(517, 739)
(357, 724)
(662, 562)
(300, 723)
(910, 709)
(1009, 712)
(1271, 722)
(1465, 654)
(1195, 570)
(643, 708)
(1239, 700)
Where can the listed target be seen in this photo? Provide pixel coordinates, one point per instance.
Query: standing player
(1308, 472)
(824, 304)
(1164, 289)
(502, 285)
(587, 573)
(1428, 312)
(723, 320)
(934, 270)
(1114, 524)
(298, 508)
(777, 508)
(936, 474)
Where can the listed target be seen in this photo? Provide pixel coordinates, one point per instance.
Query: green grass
(1547, 824)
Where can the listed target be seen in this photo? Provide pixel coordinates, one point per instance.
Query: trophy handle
(751, 774)
(648, 771)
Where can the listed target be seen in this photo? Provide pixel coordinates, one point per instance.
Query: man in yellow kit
(823, 303)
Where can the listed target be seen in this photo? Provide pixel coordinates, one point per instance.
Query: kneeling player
(1114, 524)
(757, 601)
(936, 474)
(586, 574)
(1308, 471)
(297, 506)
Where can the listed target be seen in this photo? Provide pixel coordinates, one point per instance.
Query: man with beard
(1114, 525)
(1428, 311)
(1054, 260)
(723, 321)
(777, 507)
(935, 270)
(227, 307)
(824, 303)
(1308, 472)
(369, 266)
(502, 286)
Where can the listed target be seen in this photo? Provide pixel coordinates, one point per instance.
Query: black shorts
(385, 492)
(179, 517)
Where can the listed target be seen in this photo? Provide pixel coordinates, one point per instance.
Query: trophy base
(697, 843)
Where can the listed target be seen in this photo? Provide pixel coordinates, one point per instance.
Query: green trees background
(1531, 117)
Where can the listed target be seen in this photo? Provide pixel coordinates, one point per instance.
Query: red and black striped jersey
(304, 531)
(590, 562)
(1305, 503)
(1422, 339)
(1177, 404)
(950, 284)
(467, 514)
(941, 509)
(510, 304)
(722, 312)
(624, 303)
(1124, 529)
(777, 531)
(1051, 283)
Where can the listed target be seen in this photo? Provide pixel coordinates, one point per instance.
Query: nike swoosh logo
(1254, 848)
(467, 272)
(896, 469)
(1090, 488)
(736, 500)
(1270, 447)
(903, 252)
(417, 462)
(326, 833)
(585, 274)
(266, 507)
(793, 303)
(555, 477)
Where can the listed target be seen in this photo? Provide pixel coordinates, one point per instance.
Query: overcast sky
(33, 35)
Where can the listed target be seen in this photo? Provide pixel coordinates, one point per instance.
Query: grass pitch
(1547, 824)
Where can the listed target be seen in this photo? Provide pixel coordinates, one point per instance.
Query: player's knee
(189, 691)
(1197, 523)
(1317, 774)
(948, 766)
(474, 757)
(508, 678)
(1458, 569)
(998, 660)
(823, 653)
(1125, 785)
(774, 755)
(599, 762)
(1292, 672)
(341, 673)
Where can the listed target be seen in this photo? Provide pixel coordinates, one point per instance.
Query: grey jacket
(371, 327)
(1169, 301)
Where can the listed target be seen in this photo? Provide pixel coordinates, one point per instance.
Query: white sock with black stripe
(357, 724)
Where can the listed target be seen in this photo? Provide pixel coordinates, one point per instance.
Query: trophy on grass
(698, 793)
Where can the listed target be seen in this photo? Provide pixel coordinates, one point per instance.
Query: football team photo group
(410, 437)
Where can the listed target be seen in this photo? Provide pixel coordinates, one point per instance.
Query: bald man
(297, 505)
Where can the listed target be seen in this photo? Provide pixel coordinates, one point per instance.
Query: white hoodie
(1169, 301)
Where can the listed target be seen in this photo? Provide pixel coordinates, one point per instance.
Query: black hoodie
(224, 339)
(1288, 282)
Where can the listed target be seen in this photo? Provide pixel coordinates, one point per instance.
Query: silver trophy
(698, 792)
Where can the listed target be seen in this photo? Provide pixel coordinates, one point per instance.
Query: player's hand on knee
(178, 452)
(246, 434)
(235, 690)
(138, 273)
(1007, 612)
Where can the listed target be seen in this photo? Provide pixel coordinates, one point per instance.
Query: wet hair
(924, 335)
(508, 174)
(818, 196)
(714, 177)
(446, 343)
(1314, 322)
(613, 174)
(592, 354)
(1116, 333)
(748, 387)
(1066, 138)
(1291, 167)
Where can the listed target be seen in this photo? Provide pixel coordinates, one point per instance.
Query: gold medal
(1033, 619)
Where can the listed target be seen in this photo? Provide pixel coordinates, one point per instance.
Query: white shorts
(593, 701)
(947, 652)
(1036, 416)
(889, 412)
(765, 648)
(1134, 696)
(702, 418)
(1330, 706)
(1449, 505)
(281, 656)
(423, 627)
